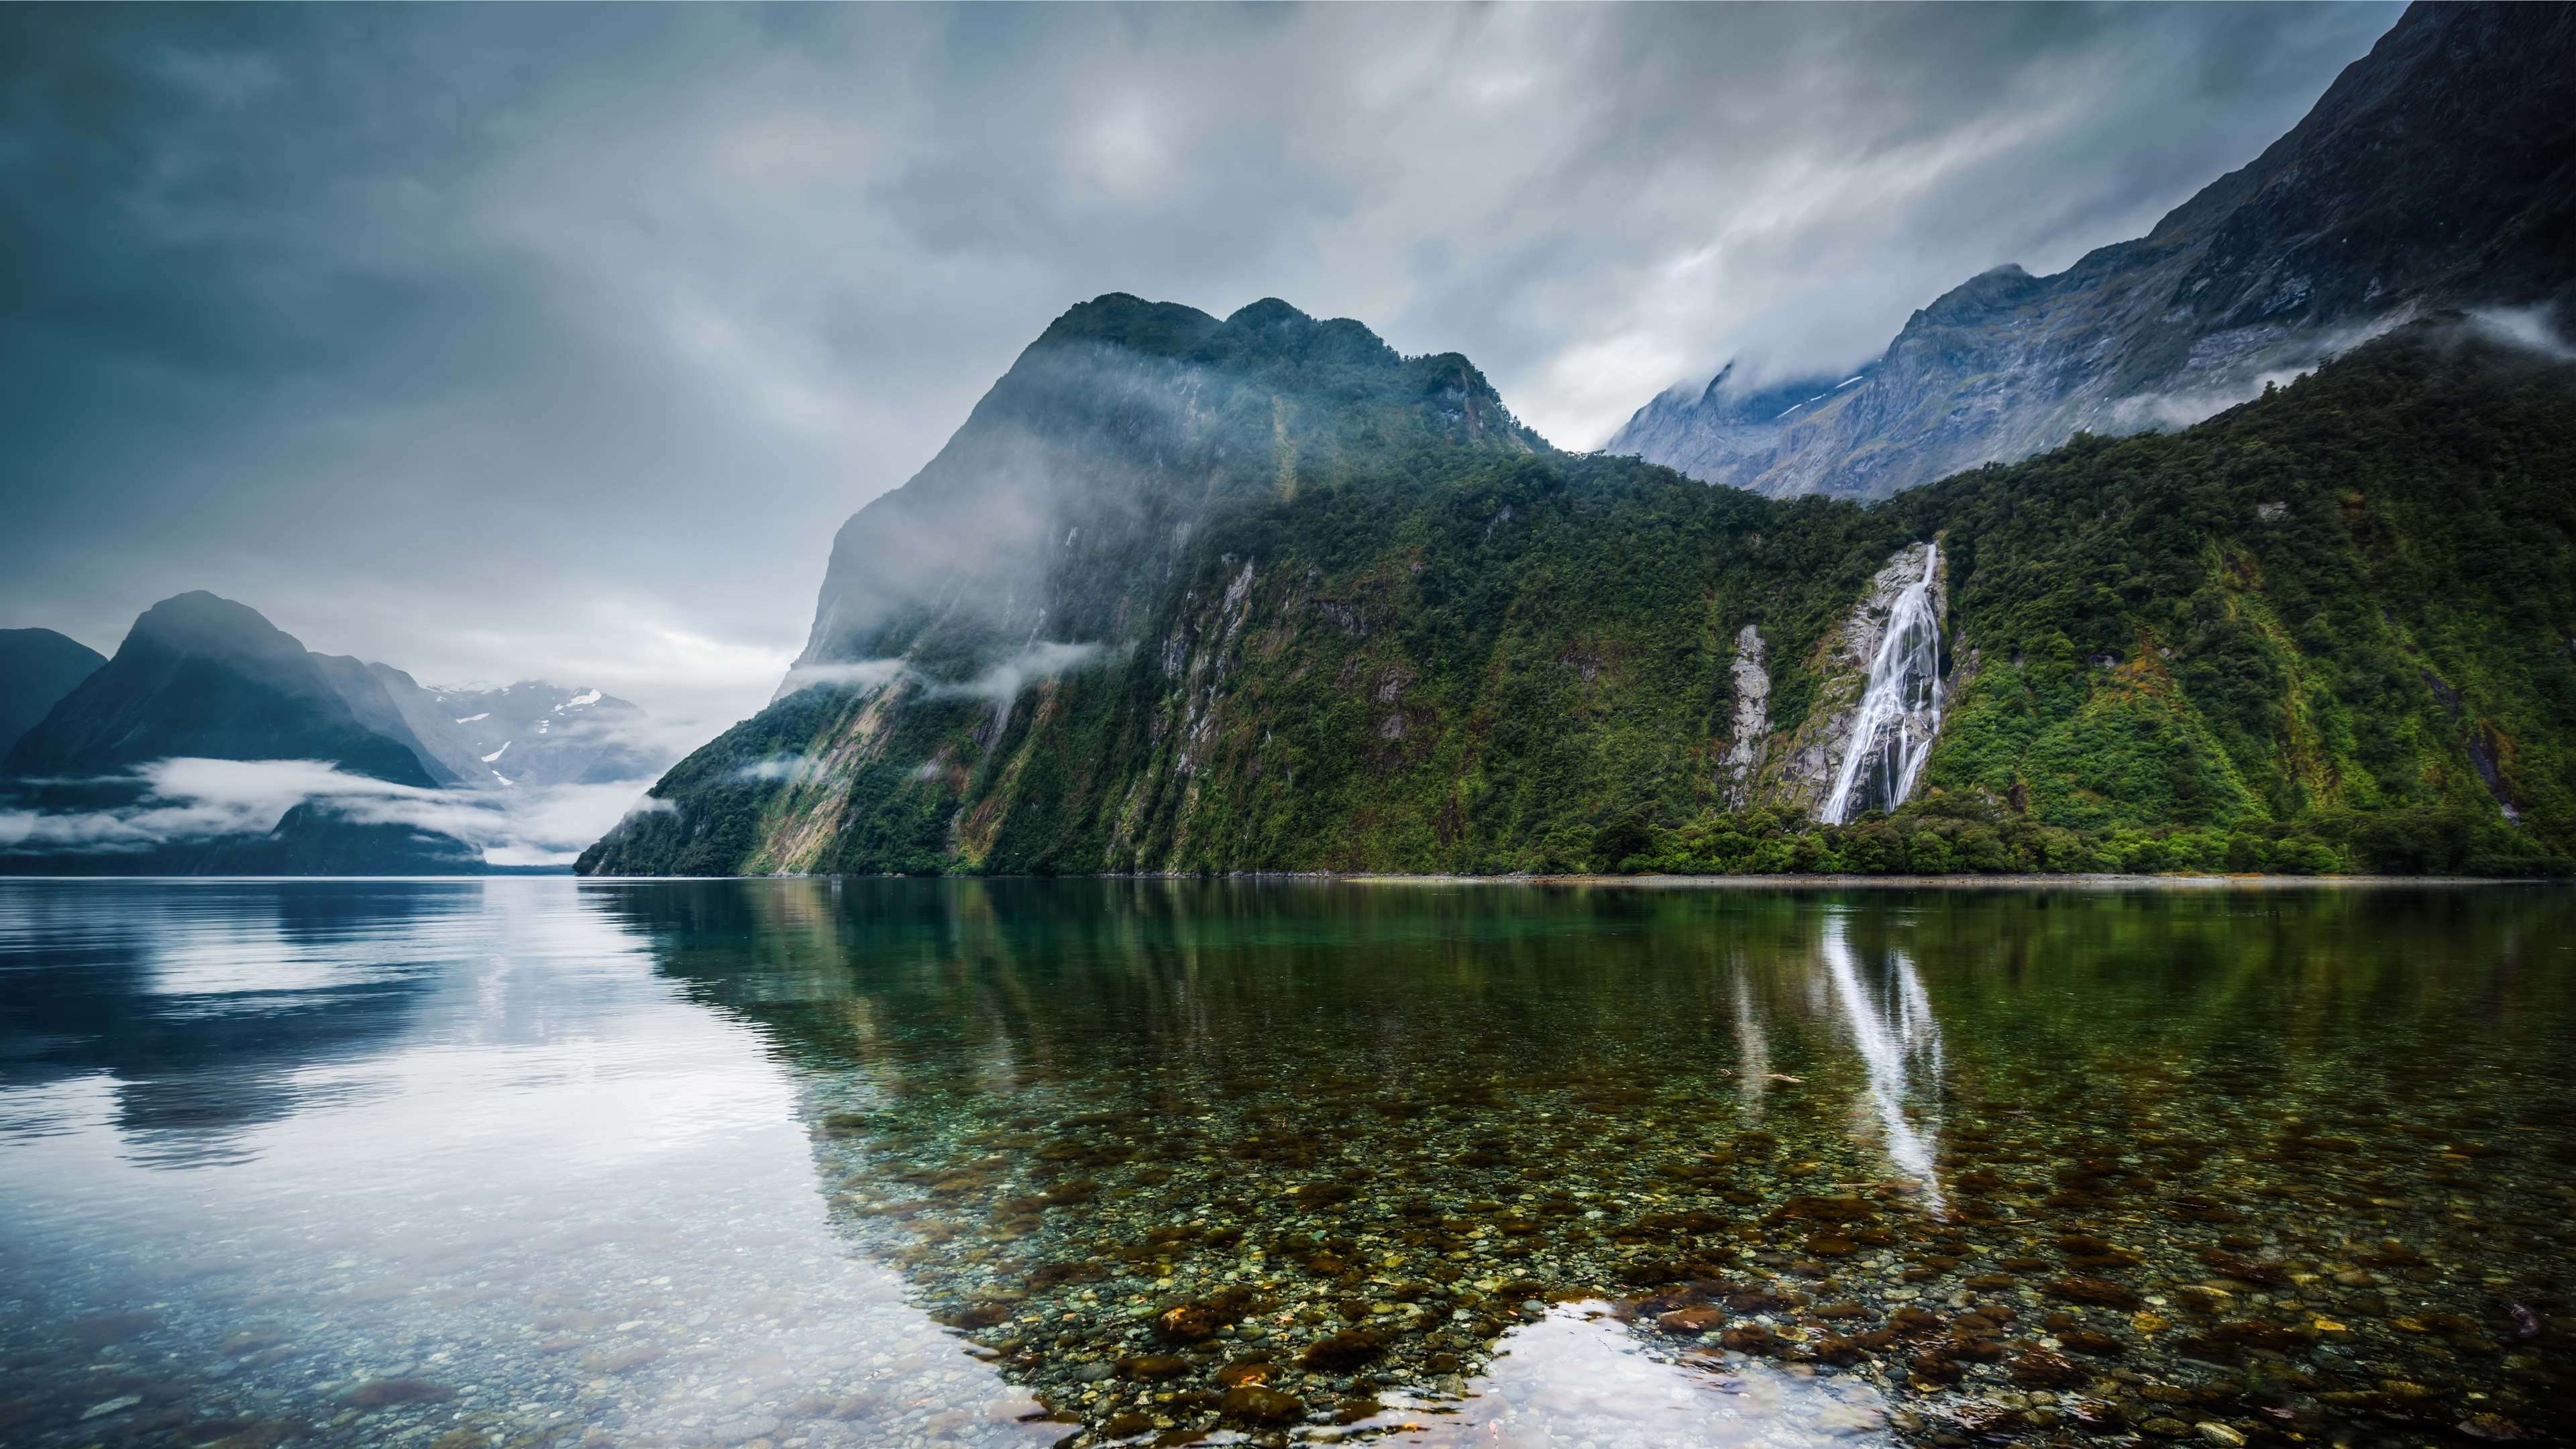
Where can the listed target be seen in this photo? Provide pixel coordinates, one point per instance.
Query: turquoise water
(911, 1162)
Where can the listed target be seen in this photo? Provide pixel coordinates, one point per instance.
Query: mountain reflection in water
(422, 1163)
(814, 1163)
(203, 1005)
(1264, 1158)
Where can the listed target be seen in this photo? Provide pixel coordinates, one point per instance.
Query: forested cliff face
(1260, 595)
(2437, 171)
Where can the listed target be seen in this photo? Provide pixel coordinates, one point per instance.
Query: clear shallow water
(477, 1162)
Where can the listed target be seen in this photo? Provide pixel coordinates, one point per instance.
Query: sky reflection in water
(558, 1161)
(460, 1161)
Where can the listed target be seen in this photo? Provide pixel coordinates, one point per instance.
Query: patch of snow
(471, 718)
(496, 754)
(1846, 382)
(587, 696)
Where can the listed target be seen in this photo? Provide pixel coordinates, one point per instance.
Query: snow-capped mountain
(535, 734)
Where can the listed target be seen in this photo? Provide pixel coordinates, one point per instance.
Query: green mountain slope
(2354, 595)
(1250, 609)
(2437, 171)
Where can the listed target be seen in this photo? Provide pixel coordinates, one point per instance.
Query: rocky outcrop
(2438, 171)
(1750, 737)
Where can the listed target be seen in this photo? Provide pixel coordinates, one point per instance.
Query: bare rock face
(1805, 765)
(1751, 736)
(2434, 173)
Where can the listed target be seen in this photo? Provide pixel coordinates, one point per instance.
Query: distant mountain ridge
(536, 734)
(205, 678)
(202, 677)
(37, 668)
(2438, 171)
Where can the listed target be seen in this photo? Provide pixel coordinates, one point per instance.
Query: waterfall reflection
(1897, 1034)
(1752, 1049)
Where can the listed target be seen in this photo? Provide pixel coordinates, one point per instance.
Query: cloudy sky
(497, 342)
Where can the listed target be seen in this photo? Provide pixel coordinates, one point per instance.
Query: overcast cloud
(495, 342)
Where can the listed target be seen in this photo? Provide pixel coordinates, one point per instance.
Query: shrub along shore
(1945, 836)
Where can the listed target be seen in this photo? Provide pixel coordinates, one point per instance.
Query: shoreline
(1700, 882)
(1648, 882)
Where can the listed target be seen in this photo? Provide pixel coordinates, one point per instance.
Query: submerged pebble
(1495, 1179)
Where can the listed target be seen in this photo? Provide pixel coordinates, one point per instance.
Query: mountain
(1038, 556)
(2438, 171)
(446, 751)
(371, 702)
(530, 735)
(533, 734)
(1050, 515)
(1184, 595)
(205, 677)
(201, 677)
(37, 668)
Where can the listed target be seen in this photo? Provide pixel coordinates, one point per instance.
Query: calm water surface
(447, 1164)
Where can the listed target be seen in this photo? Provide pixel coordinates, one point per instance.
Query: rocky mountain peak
(1092, 459)
(2437, 171)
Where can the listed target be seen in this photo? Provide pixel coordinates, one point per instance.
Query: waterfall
(1891, 1037)
(1903, 702)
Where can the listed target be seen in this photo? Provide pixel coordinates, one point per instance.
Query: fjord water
(456, 1163)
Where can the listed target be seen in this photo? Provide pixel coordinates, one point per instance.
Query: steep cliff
(1335, 628)
(1047, 556)
(2438, 171)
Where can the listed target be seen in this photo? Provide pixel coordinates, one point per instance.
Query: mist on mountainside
(2433, 174)
(214, 740)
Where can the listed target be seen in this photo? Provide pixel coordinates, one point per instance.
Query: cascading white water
(1890, 1038)
(1902, 701)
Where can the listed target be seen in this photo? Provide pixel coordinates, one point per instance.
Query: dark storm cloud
(557, 341)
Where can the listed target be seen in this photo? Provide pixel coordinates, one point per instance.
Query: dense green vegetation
(1945, 836)
(2354, 595)
(1347, 626)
